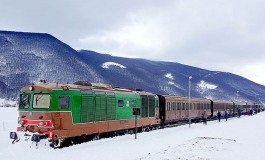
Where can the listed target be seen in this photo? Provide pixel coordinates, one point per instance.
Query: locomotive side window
(120, 103)
(41, 101)
(24, 101)
(64, 102)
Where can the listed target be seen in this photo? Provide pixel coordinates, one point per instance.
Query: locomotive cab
(34, 112)
(40, 109)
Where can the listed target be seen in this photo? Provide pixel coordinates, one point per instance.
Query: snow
(175, 85)
(4, 102)
(238, 139)
(169, 76)
(171, 83)
(206, 86)
(106, 65)
(2, 61)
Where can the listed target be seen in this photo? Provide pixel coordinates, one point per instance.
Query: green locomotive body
(71, 111)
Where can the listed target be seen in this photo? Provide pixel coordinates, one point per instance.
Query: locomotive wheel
(56, 144)
(96, 137)
(131, 131)
(67, 142)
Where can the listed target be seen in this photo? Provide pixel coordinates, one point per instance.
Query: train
(68, 114)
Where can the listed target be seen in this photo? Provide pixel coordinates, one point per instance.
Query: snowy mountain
(172, 78)
(29, 57)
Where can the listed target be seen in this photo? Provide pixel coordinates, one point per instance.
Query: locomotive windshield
(41, 101)
(24, 101)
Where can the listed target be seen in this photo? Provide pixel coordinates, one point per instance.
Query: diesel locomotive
(66, 114)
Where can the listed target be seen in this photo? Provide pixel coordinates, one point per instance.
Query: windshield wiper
(38, 98)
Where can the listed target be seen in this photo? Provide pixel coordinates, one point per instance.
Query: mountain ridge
(28, 57)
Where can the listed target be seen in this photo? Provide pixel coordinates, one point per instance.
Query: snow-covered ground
(5, 103)
(237, 139)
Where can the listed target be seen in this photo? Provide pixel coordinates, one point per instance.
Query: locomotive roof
(40, 87)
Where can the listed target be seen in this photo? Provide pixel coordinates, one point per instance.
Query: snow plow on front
(34, 130)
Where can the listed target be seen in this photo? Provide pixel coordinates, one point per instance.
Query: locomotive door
(62, 118)
(64, 102)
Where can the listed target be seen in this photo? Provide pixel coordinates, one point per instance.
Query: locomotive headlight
(22, 122)
(31, 88)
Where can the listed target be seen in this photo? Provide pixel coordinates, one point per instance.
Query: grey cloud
(225, 35)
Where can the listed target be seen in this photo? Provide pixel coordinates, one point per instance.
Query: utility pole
(190, 77)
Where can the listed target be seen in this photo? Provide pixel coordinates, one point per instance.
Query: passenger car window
(183, 106)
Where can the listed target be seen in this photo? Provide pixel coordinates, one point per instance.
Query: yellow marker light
(31, 88)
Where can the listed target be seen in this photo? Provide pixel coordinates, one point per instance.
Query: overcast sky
(221, 35)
